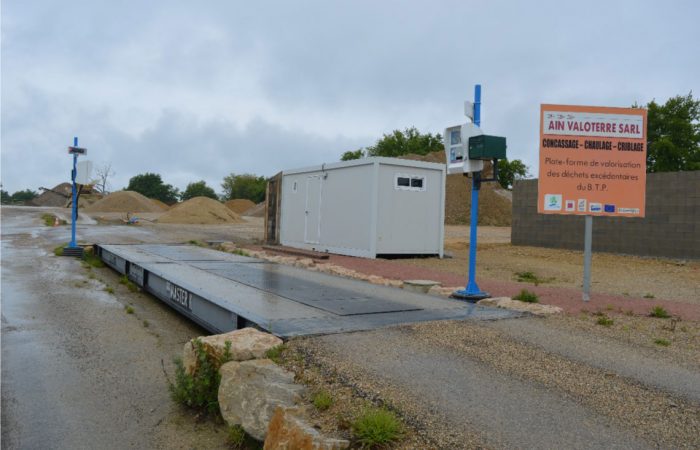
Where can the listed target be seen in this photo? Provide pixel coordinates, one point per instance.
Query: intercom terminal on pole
(466, 149)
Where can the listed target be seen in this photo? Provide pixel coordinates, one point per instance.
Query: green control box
(487, 147)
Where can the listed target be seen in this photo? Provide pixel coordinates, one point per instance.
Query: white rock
(251, 390)
(516, 305)
(246, 343)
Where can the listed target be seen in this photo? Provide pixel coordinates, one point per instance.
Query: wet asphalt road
(77, 371)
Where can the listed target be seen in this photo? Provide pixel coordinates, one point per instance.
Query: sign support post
(587, 254)
(472, 291)
(74, 209)
(73, 249)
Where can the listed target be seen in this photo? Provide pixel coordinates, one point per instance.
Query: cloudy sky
(198, 90)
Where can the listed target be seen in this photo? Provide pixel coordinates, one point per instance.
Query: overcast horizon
(198, 91)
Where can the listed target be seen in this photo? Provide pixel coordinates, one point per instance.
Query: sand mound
(163, 205)
(124, 201)
(239, 205)
(58, 196)
(200, 210)
(256, 211)
(495, 208)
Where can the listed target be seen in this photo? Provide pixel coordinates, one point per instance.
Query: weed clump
(128, 283)
(605, 321)
(240, 252)
(275, 353)
(376, 427)
(92, 260)
(659, 312)
(662, 342)
(235, 436)
(129, 309)
(527, 297)
(199, 390)
(322, 400)
(109, 289)
(528, 277)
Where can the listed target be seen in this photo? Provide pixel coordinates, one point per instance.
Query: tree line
(242, 186)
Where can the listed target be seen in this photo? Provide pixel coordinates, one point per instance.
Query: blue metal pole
(74, 215)
(472, 291)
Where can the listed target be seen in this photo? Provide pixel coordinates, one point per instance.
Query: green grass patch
(605, 321)
(129, 309)
(376, 427)
(128, 283)
(235, 436)
(662, 342)
(322, 400)
(527, 297)
(58, 251)
(528, 277)
(92, 260)
(275, 353)
(240, 252)
(146, 323)
(649, 296)
(109, 289)
(199, 390)
(659, 312)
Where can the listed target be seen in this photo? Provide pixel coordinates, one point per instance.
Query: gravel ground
(491, 390)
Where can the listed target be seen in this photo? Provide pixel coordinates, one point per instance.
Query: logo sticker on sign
(596, 207)
(552, 202)
(569, 205)
(582, 205)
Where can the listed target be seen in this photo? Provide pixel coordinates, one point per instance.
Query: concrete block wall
(671, 227)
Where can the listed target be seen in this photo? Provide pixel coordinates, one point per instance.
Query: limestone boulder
(516, 305)
(246, 343)
(289, 431)
(250, 391)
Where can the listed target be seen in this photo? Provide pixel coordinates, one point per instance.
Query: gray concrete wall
(671, 227)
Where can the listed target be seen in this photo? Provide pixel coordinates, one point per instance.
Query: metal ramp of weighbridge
(224, 292)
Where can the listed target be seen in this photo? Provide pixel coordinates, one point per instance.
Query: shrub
(376, 427)
(58, 251)
(322, 400)
(659, 312)
(527, 297)
(199, 390)
(129, 309)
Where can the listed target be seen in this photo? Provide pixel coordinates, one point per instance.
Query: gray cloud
(198, 91)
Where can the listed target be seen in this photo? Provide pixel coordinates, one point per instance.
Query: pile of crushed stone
(202, 211)
(60, 195)
(239, 205)
(256, 211)
(125, 202)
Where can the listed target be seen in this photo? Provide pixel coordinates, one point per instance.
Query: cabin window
(406, 182)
